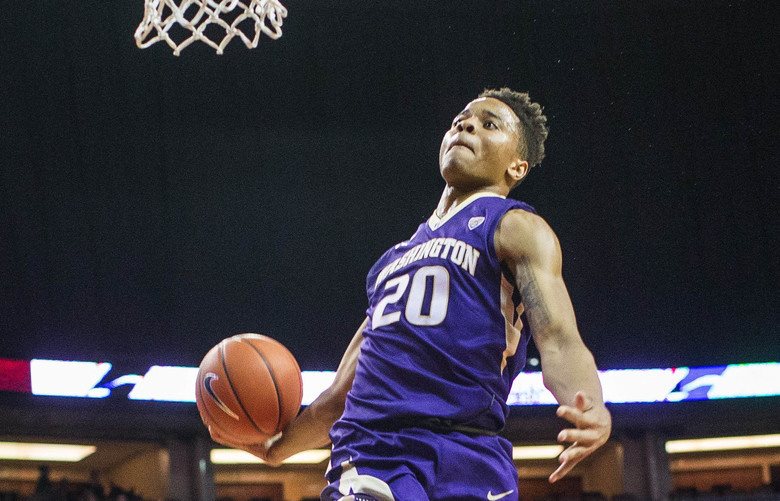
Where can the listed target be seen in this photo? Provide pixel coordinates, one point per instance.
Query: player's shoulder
(521, 232)
(525, 221)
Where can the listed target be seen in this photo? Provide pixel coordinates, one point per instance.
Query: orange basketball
(249, 388)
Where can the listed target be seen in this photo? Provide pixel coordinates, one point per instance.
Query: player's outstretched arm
(530, 248)
(311, 427)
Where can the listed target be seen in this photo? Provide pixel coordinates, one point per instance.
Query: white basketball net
(243, 18)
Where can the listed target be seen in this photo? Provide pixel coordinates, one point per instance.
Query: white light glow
(536, 452)
(314, 383)
(640, 385)
(45, 452)
(312, 456)
(60, 378)
(747, 380)
(722, 443)
(169, 384)
(235, 456)
(528, 389)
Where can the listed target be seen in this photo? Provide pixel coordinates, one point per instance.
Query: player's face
(480, 146)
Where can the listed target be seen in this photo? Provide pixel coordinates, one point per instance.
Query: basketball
(249, 388)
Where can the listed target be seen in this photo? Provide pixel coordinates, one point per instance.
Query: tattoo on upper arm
(536, 308)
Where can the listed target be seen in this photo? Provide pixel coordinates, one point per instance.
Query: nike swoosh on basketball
(493, 497)
(207, 379)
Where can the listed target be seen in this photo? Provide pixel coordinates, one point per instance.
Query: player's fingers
(564, 468)
(217, 437)
(215, 434)
(569, 458)
(222, 440)
(574, 416)
(258, 450)
(575, 453)
(585, 437)
(582, 401)
(271, 441)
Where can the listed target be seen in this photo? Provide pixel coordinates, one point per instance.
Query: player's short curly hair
(533, 124)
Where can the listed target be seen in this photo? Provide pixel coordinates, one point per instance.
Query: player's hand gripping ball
(249, 388)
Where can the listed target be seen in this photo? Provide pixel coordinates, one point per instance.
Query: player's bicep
(547, 305)
(531, 250)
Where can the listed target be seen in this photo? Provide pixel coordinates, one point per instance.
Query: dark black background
(151, 205)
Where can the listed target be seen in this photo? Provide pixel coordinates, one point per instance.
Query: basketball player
(420, 394)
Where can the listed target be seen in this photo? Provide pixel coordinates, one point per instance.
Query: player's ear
(517, 170)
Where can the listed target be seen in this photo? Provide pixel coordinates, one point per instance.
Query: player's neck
(452, 198)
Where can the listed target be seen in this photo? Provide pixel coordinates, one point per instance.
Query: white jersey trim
(435, 222)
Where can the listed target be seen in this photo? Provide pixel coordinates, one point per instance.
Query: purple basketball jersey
(446, 334)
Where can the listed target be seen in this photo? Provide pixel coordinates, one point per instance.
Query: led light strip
(45, 452)
(235, 456)
(316, 456)
(722, 443)
(520, 453)
(177, 384)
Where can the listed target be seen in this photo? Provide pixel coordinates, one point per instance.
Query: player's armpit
(345, 374)
(311, 427)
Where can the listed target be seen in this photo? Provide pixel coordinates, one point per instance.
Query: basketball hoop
(214, 22)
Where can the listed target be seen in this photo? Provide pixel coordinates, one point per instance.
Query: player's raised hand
(261, 450)
(593, 425)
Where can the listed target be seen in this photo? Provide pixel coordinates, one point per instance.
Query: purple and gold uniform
(446, 338)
